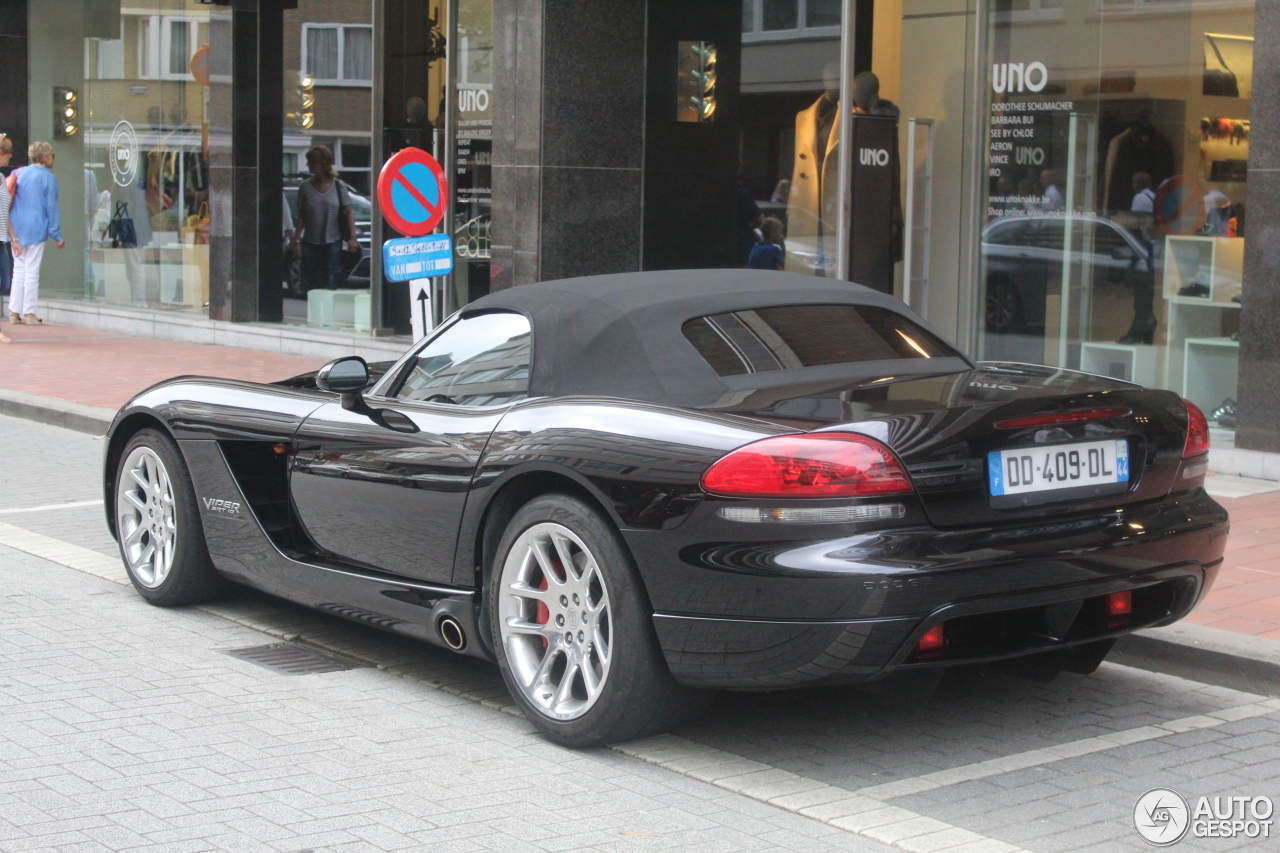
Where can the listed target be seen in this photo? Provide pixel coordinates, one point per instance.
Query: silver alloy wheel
(146, 517)
(554, 621)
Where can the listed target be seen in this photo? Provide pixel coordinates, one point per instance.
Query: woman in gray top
(324, 207)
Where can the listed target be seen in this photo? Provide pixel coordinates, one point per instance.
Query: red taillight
(1197, 432)
(1120, 603)
(1057, 418)
(932, 639)
(811, 465)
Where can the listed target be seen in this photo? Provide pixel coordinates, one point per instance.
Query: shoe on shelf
(31, 319)
(1225, 414)
(1141, 331)
(1196, 289)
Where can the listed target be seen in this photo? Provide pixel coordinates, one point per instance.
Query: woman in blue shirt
(768, 254)
(34, 219)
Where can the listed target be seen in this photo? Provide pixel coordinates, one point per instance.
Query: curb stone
(79, 417)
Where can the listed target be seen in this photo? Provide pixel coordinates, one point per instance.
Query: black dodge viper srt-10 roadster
(628, 490)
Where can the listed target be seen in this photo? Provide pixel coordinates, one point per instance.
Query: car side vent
(262, 473)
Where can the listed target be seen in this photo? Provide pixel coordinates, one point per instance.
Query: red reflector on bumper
(932, 639)
(1120, 603)
(1059, 418)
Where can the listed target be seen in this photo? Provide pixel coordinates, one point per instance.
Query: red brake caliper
(543, 615)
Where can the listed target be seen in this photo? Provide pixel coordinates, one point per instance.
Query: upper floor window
(338, 54)
(770, 19)
(166, 45)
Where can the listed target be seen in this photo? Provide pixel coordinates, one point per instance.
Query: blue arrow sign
(407, 258)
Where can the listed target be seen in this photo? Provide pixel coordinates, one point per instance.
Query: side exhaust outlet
(452, 634)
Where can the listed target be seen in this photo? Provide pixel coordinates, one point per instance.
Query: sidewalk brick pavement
(103, 369)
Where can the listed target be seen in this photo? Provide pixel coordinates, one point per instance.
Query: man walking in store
(34, 219)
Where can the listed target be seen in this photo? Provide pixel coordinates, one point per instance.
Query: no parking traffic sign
(412, 192)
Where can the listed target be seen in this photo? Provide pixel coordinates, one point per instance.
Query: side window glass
(478, 361)
(1004, 233)
(1050, 233)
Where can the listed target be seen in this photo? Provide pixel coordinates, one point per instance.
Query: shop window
(178, 33)
(781, 14)
(766, 19)
(1024, 11)
(338, 54)
(1117, 191)
(822, 13)
(104, 58)
(148, 47)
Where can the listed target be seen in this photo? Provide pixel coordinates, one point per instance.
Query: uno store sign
(1015, 77)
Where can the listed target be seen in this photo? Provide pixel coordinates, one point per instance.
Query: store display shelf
(1130, 362)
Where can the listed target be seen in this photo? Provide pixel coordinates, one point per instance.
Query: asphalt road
(127, 727)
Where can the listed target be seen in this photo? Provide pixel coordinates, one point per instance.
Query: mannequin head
(415, 111)
(866, 91)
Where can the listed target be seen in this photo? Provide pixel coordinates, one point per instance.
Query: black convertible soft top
(620, 335)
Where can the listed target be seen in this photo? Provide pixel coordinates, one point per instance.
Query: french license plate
(1062, 466)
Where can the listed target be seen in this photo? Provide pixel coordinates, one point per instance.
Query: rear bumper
(852, 609)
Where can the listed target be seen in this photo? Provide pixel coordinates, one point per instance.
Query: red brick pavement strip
(1246, 596)
(102, 369)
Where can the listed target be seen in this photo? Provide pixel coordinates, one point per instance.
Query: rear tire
(158, 524)
(1003, 306)
(573, 631)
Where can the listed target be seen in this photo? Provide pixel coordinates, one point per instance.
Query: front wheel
(573, 631)
(158, 524)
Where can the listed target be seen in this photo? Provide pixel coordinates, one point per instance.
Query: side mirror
(346, 376)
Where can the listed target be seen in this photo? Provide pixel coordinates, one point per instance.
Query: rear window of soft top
(795, 336)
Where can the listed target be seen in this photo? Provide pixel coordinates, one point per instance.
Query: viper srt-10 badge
(221, 507)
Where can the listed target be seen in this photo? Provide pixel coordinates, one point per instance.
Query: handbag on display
(120, 229)
(196, 231)
(1219, 81)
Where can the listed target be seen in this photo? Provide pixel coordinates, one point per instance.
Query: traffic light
(303, 116)
(66, 112)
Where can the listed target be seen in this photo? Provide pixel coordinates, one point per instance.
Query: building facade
(1080, 183)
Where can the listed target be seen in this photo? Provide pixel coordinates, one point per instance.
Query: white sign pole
(420, 307)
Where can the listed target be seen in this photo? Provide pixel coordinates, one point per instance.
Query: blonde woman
(34, 218)
(324, 213)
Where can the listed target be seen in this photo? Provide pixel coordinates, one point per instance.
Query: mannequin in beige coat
(813, 206)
